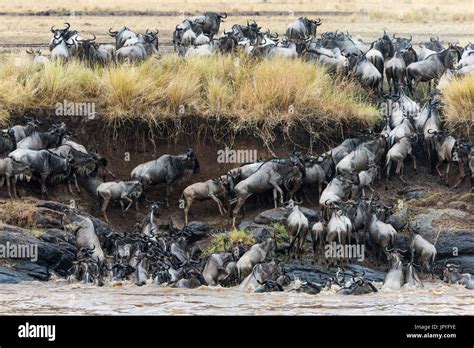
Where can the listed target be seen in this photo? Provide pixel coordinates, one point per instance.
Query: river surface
(60, 297)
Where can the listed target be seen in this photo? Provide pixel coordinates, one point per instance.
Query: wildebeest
(432, 67)
(419, 246)
(398, 152)
(211, 22)
(9, 169)
(121, 36)
(167, 168)
(256, 254)
(452, 275)
(7, 141)
(297, 224)
(22, 131)
(271, 175)
(302, 29)
(44, 140)
(86, 237)
(92, 53)
(215, 268)
(369, 76)
(45, 165)
(215, 189)
(123, 191)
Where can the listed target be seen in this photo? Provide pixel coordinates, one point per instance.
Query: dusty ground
(27, 24)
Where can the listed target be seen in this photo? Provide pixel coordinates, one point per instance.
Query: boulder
(318, 275)
(11, 276)
(281, 214)
(467, 263)
(398, 220)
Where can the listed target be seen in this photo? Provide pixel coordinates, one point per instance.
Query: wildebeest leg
(462, 174)
(2, 180)
(446, 178)
(69, 188)
(105, 203)
(129, 200)
(222, 210)
(275, 198)
(13, 181)
(238, 206)
(437, 169)
(189, 202)
(8, 185)
(44, 192)
(76, 184)
(168, 190)
(401, 172)
(414, 162)
(280, 191)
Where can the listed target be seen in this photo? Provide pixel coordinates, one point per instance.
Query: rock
(281, 214)
(198, 230)
(318, 275)
(55, 253)
(11, 276)
(458, 205)
(398, 220)
(270, 216)
(413, 192)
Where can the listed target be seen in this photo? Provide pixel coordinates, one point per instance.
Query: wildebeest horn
(52, 29)
(432, 131)
(411, 37)
(394, 36)
(112, 33)
(67, 26)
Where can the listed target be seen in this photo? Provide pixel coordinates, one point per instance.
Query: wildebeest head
(400, 43)
(60, 32)
(21, 168)
(434, 44)
(192, 161)
(384, 45)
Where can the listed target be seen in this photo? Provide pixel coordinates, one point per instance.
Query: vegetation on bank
(458, 106)
(221, 242)
(242, 92)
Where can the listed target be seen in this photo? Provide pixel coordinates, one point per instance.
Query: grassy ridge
(458, 100)
(245, 92)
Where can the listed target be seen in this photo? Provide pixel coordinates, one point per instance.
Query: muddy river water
(60, 297)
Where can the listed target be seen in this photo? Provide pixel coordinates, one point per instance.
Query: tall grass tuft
(458, 101)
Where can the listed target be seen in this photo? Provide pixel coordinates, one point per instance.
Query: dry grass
(458, 100)
(250, 94)
(18, 213)
(405, 9)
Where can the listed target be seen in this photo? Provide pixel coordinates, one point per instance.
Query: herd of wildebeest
(340, 177)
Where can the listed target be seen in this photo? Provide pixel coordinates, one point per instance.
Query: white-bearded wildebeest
(9, 169)
(84, 231)
(398, 152)
(419, 246)
(271, 175)
(302, 29)
(121, 36)
(167, 168)
(215, 268)
(215, 189)
(210, 23)
(344, 42)
(395, 277)
(44, 140)
(297, 224)
(382, 235)
(338, 189)
(22, 132)
(127, 191)
(92, 53)
(367, 73)
(7, 141)
(452, 275)
(46, 165)
(256, 254)
(139, 51)
(432, 67)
